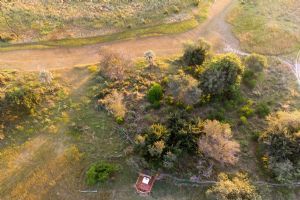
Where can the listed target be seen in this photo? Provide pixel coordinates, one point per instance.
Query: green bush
(217, 114)
(244, 120)
(256, 62)
(221, 74)
(247, 109)
(23, 99)
(249, 79)
(262, 110)
(100, 172)
(195, 53)
(155, 93)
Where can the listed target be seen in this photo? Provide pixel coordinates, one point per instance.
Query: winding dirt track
(214, 29)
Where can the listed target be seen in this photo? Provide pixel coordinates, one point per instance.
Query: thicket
(161, 145)
(23, 99)
(281, 146)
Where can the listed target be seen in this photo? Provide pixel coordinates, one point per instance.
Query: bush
(23, 99)
(262, 110)
(114, 103)
(281, 144)
(113, 64)
(100, 172)
(195, 53)
(217, 142)
(249, 79)
(246, 110)
(238, 187)
(256, 62)
(221, 74)
(155, 93)
(184, 88)
(244, 120)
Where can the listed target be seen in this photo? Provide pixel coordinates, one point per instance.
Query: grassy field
(267, 27)
(36, 20)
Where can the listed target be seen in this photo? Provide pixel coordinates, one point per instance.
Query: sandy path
(214, 29)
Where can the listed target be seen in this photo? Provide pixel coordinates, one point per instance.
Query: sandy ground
(214, 29)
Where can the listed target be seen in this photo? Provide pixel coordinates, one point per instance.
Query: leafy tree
(100, 172)
(236, 188)
(221, 75)
(195, 53)
(217, 142)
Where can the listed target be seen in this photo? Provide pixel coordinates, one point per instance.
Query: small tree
(236, 188)
(221, 74)
(217, 142)
(113, 64)
(195, 53)
(150, 56)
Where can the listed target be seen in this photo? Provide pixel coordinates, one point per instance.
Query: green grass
(143, 32)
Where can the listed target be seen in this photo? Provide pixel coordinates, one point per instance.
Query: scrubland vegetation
(209, 125)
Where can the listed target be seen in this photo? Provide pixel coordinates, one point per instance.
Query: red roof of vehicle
(144, 184)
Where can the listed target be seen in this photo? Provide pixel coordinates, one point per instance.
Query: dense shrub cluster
(221, 75)
(161, 144)
(23, 99)
(184, 89)
(100, 172)
(237, 187)
(281, 145)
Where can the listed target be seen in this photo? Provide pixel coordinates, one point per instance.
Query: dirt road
(214, 29)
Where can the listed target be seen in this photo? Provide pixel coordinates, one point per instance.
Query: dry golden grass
(267, 27)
